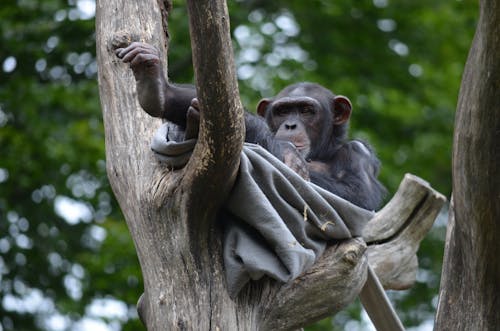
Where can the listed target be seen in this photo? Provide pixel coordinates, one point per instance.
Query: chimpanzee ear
(262, 107)
(342, 108)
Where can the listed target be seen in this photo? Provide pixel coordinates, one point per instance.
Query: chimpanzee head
(308, 115)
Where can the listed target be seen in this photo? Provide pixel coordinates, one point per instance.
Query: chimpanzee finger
(118, 52)
(122, 51)
(141, 59)
(192, 123)
(136, 44)
(295, 162)
(128, 55)
(195, 104)
(135, 48)
(301, 170)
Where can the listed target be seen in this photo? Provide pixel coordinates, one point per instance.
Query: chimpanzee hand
(144, 59)
(294, 160)
(193, 120)
(152, 87)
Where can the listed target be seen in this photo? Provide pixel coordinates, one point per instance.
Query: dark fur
(346, 168)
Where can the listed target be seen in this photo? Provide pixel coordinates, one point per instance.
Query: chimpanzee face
(298, 119)
(308, 115)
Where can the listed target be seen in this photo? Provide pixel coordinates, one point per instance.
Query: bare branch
(216, 156)
(337, 278)
(333, 283)
(395, 233)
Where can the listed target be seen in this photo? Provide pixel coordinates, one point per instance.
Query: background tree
(63, 241)
(469, 289)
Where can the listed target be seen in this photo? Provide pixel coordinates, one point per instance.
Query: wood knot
(351, 257)
(122, 39)
(353, 251)
(162, 299)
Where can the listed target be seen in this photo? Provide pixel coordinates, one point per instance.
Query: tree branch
(471, 269)
(333, 283)
(337, 278)
(215, 160)
(395, 233)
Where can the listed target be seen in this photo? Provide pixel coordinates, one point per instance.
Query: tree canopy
(66, 258)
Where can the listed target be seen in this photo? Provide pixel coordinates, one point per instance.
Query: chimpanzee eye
(280, 111)
(307, 110)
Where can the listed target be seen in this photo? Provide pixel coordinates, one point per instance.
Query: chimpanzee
(305, 125)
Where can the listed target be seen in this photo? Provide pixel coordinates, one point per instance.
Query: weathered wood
(184, 285)
(395, 233)
(470, 283)
(333, 283)
(216, 157)
(377, 304)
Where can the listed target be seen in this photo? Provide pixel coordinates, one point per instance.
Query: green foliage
(52, 157)
(400, 63)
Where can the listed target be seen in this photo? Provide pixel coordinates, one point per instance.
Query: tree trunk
(470, 284)
(171, 214)
(168, 212)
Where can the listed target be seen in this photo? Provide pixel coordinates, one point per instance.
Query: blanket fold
(276, 224)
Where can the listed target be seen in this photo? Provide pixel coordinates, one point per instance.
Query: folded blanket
(275, 223)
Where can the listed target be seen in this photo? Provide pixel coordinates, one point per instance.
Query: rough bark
(470, 284)
(217, 153)
(168, 213)
(171, 214)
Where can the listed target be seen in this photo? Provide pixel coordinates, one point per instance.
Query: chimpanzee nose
(291, 126)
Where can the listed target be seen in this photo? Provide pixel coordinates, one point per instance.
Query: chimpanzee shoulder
(356, 155)
(351, 172)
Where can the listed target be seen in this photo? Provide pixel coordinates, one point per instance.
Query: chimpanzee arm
(258, 132)
(177, 99)
(353, 175)
(156, 96)
(159, 98)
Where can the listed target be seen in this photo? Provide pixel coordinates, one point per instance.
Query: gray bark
(171, 214)
(470, 283)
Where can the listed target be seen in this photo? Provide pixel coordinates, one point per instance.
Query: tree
(176, 217)
(171, 220)
(52, 160)
(469, 289)
(52, 151)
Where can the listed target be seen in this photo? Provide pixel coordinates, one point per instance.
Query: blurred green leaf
(399, 62)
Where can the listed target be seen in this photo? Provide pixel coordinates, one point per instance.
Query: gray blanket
(277, 224)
